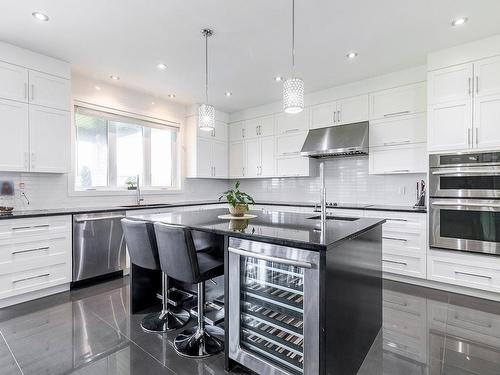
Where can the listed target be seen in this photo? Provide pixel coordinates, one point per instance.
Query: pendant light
(206, 112)
(293, 88)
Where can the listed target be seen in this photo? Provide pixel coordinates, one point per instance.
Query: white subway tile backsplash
(347, 181)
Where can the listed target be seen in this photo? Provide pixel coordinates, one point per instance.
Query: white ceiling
(251, 43)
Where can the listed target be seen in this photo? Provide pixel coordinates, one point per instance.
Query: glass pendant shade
(293, 95)
(206, 117)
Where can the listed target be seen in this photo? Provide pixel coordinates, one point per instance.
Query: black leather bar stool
(187, 263)
(143, 251)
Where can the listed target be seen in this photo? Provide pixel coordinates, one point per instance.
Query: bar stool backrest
(141, 243)
(177, 253)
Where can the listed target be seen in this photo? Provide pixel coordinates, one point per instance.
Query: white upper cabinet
(267, 157)
(49, 91)
(398, 101)
(259, 127)
(290, 144)
(219, 132)
(450, 84)
(259, 157)
(237, 131)
(487, 77)
(352, 110)
(49, 139)
(14, 153)
(343, 111)
(204, 166)
(252, 150)
(292, 123)
(219, 159)
(323, 115)
(34, 113)
(14, 82)
(399, 130)
(398, 159)
(237, 159)
(464, 106)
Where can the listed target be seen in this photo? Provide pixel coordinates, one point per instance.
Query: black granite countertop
(19, 214)
(281, 228)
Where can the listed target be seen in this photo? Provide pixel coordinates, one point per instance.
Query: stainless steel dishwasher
(98, 244)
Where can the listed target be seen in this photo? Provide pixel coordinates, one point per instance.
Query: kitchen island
(300, 297)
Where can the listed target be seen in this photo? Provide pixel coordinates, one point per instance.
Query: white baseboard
(443, 286)
(34, 295)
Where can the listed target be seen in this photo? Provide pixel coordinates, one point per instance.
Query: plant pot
(238, 211)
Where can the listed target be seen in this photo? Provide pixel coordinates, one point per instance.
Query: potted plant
(238, 200)
(131, 183)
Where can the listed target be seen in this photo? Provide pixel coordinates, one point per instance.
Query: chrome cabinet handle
(395, 239)
(455, 204)
(472, 274)
(31, 227)
(31, 277)
(462, 172)
(269, 258)
(243, 133)
(393, 261)
(397, 171)
(396, 113)
(243, 171)
(477, 137)
(334, 116)
(29, 250)
(404, 220)
(477, 84)
(290, 153)
(338, 117)
(395, 143)
(292, 130)
(468, 136)
(470, 86)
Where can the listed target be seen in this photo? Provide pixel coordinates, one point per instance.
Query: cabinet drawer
(290, 144)
(400, 221)
(398, 241)
(398, 101)
(468, 270)
(20, 254)
(407, 264)
(34, 279)
(37, 226)
(399, 131)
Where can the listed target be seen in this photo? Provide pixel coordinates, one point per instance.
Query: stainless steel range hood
(337, 141)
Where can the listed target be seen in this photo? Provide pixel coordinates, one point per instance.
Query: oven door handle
(454, 204)
(486, 172)
(269, 258)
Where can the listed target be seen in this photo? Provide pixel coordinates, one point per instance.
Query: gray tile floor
(90, 331)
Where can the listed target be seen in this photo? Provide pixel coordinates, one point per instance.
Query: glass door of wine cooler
(274, 308)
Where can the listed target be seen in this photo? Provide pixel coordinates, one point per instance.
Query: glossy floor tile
(90, 331)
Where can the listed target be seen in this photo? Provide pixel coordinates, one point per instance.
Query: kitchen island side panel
(353, 301)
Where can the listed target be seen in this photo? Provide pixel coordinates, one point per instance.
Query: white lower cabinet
(467, 270)
(398, 159)
(35, 255)
(404, 242)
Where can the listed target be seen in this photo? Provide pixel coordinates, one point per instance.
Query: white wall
(53, 190)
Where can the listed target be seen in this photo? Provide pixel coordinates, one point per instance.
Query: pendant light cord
(206, 68)
(293, 37)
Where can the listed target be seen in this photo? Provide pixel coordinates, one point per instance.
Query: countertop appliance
(98, 244)
(337, 141)
(464, 202)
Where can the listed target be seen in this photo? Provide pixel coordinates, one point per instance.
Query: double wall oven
(464, 203)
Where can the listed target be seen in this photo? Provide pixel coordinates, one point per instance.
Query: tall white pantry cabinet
(35, 107)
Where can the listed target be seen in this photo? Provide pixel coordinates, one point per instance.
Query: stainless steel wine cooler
(273, 308)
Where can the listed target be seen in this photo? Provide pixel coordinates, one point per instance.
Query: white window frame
(137, 119)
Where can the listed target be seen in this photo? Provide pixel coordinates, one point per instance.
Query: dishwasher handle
(100, 218)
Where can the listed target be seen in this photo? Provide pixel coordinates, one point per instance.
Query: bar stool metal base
(199, 344)
(165, 321)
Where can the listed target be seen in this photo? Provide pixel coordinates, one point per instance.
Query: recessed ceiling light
(278, 78)
(115, 78)
(161, 66)
(228, 93)
(171, 96)
(152, 103)
(352, 55)
(459, 21)
(98, 88)
(40, 16)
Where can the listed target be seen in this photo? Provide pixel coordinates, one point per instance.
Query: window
(112, 150)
